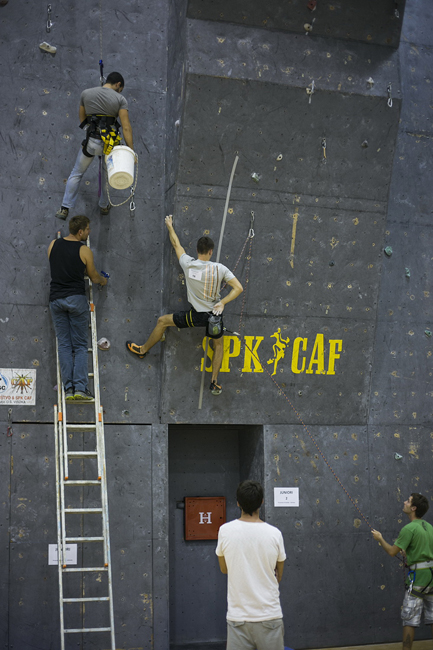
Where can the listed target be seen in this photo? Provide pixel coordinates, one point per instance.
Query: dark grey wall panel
(310, 393)
(363, 20)
(240, 52)
(262, 122)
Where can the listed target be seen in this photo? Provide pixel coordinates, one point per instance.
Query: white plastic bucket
(120, 167)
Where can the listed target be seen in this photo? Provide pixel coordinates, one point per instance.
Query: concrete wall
(348, 325)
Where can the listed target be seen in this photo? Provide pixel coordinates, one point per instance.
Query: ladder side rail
(63, 449)
(95, 364)
(59, 536)
(106, 531)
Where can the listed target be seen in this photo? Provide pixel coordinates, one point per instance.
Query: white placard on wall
(286, 497)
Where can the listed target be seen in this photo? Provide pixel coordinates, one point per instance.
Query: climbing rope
(101, 62)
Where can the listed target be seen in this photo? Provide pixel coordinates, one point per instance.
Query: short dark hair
(421, 504)
(204, 245)
(80, 222)
(114, 78)
(250, 496)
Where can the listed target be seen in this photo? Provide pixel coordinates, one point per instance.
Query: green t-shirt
(416, 539)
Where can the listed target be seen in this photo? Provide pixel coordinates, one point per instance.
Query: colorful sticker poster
(17, 387)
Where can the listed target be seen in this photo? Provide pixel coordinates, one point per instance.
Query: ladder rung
(81, 427)
(90, 374)
(82, 401)
(83, 454)
(76, 540)
(82, 482)
(89, 350)
(82, 510)
(88, 629)
(96, 569)
(85, 600)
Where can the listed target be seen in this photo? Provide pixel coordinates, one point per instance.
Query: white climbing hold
(46, 47)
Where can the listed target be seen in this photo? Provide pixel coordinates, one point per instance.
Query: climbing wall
(331, 121)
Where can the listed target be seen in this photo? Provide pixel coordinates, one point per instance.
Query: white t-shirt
(251, 551)
(203, 281)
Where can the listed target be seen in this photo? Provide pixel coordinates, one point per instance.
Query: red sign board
(204, 516)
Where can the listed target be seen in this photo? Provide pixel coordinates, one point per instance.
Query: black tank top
(67, 270)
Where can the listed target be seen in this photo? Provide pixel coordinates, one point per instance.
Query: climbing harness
(411, 576)
(49, 22)
(104, 127)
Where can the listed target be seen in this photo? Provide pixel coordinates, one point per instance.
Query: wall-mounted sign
(70, 554)
(203, 517)
(286, 497)
(17, 386)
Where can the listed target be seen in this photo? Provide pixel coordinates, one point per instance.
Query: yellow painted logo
(309, 355)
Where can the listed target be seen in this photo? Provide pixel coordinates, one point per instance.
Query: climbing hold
(255, 177)
(397, 456)
(388, 251)
(370, 82)
(104, 344)
(312, 5)
(280, 156)
(332, 263)
(364, 145)
(427, 333)
(46, 47)
(407, 272)
(308, 27)
(3, 3)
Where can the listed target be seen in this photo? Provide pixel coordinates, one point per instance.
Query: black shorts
(193, 318)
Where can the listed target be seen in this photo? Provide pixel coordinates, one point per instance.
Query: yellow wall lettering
(295, 354)
(252, 354)
(317, 356)
(236, 349)
(335, 346)
(209, 356)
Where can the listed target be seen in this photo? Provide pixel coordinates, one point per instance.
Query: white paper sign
(17, 386)
(70, 554)
(286, 497)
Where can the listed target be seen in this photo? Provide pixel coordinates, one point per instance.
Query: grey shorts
(413, 607)
(257, 635)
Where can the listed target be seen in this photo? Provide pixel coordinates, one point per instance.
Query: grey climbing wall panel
(203, 87)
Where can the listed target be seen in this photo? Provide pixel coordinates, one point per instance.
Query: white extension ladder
(91, 584)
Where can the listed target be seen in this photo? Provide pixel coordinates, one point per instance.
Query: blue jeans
(71, 322)
(95, 147)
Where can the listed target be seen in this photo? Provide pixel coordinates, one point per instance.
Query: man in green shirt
(416, 542)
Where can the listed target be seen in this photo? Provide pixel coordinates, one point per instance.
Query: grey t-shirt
(203, 281)
(102, 101)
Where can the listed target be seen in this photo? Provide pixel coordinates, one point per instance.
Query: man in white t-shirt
(203, 283)
(251, 553)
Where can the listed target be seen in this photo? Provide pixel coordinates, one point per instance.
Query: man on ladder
(203, 282)
(99, 109)
(69, 259)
